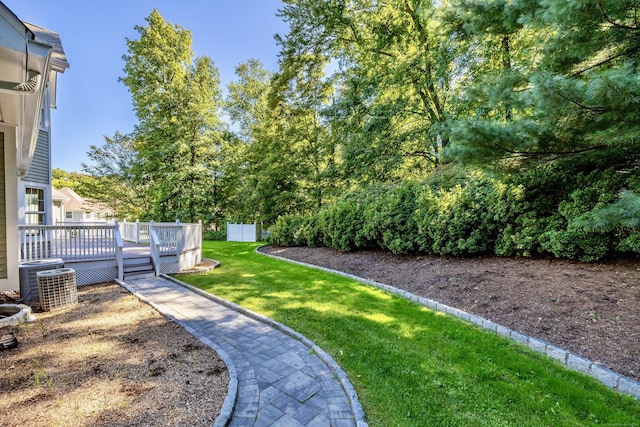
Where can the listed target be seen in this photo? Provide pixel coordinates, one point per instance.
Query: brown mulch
(110, 360)
(591, 309)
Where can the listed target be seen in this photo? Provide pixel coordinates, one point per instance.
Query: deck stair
(138, 265)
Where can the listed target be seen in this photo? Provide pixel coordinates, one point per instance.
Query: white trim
(48, 203)
(12, 282)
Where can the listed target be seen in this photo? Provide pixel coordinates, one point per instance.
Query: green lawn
(412, 366)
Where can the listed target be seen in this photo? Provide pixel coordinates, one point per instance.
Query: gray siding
(40, 167)
(3, 214)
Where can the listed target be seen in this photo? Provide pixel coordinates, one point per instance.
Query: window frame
(40, 204)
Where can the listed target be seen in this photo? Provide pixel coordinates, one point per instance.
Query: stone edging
(356, 407)
(606, 376)
(226, 412)
(202, 270)
(22, 315)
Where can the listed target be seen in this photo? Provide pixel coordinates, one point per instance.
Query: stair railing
(154, 243)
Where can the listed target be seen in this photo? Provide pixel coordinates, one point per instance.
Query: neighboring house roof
(57, 195)
(74, 202)
(77, 203)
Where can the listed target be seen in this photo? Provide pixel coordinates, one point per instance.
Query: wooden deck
(135, 250)
(99, 252)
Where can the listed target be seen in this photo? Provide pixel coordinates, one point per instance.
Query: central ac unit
(29, 280)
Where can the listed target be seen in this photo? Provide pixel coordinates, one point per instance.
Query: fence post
(137, 231)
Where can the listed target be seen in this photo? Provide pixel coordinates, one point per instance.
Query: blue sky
(91, 101)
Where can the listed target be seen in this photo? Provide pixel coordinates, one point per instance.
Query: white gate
(242, 232)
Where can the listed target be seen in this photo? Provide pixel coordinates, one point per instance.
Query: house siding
(3, 215)
(40, 165)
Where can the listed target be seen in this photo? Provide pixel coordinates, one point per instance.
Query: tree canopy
(371, 94)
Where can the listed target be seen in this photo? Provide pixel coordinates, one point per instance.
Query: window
(68, 215)
(34, 206)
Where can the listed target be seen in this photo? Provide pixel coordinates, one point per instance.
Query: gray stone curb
(356, 407)
(606, 376)
(205, 270)
(226, 412)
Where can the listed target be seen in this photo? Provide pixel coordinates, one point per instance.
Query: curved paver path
(276, 376)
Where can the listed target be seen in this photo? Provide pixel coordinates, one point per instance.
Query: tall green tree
(572, 91)
(116, 165)
(248, 109)
(287, 154)
(395, 68)
(176, 98)
(247, 99)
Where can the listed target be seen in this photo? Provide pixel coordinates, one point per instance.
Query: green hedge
(566, 211)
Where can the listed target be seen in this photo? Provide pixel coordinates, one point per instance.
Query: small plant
(40, 377)
(43, 329)
(10, 374)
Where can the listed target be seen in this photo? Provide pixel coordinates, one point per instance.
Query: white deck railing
(190, 237)
(91, 241)
(67, 241)
(136, 232)
(173, 237)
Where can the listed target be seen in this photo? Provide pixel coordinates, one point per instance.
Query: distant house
(74, 208)
(58, 200)
(30, 59)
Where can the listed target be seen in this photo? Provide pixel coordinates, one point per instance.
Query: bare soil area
(591, 309)
(110, 360)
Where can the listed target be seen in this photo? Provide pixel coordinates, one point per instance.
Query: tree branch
(605, 61)
(578, 103)
(612, 22)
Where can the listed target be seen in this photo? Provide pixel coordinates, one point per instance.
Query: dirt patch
(592, 310)
(110, 360)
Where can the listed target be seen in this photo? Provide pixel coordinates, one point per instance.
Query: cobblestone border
(340, 375)
(606, 376)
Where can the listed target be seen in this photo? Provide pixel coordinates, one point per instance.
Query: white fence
(242, 232)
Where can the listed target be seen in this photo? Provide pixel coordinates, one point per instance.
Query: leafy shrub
(287, 231)
(568, 238)
(220, 235)
(342, 223)
(468, 218)
(312, 231)
(389, 217)
(565, 210)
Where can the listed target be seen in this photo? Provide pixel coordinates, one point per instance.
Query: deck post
(119, 249)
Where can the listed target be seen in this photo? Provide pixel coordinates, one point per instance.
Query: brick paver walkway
(277, 378)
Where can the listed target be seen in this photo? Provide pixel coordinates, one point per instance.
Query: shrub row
(560, 210)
